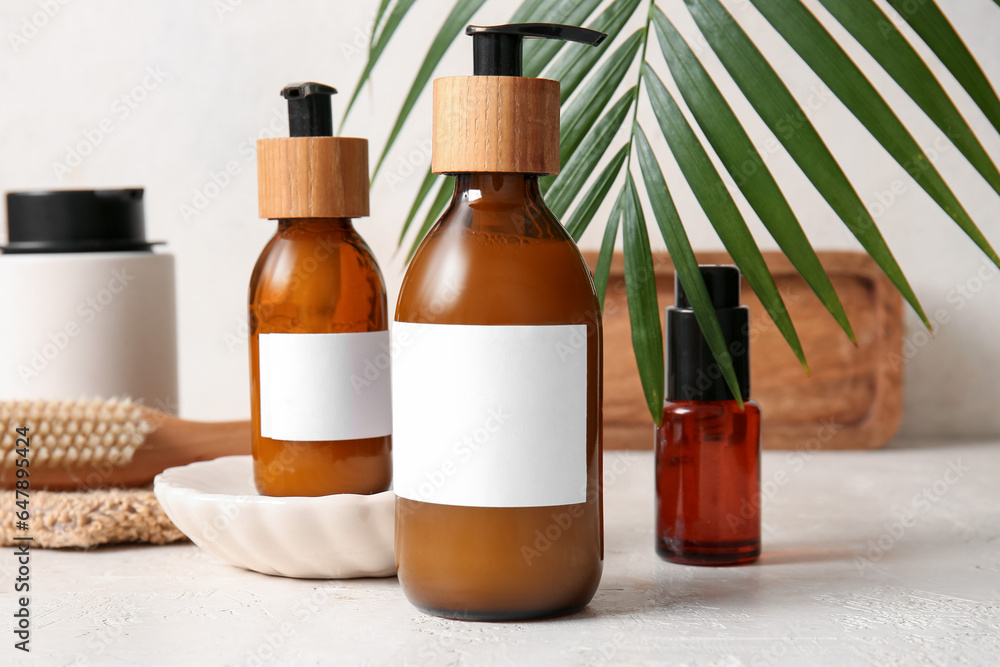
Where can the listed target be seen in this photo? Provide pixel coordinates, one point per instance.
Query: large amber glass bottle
(498, 257)
(319, 340)
(497, 363)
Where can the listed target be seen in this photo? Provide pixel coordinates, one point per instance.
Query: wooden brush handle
(175, 442)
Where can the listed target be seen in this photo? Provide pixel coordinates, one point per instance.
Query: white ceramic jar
(87, 306)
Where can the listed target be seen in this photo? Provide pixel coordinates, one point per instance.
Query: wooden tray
(853, 400)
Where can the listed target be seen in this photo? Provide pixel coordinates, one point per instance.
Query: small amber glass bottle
(319, 340)
(707, 448)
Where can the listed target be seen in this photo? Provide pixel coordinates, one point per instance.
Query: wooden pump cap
(496, 124)
(312, 177)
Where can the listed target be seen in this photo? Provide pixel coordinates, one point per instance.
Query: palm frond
(736, 151)
(578, 61)
(719, 206)
(603, 268)
(575, 173)
(684, 259)
(581, 114)
(384, 28)
(453, 24)
(775, 105)
(930, 23)
(865, 21)
(594, 112)
(640, 293)
(814, 44)
(581, 216)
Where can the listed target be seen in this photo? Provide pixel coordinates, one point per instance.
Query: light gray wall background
(169, 95)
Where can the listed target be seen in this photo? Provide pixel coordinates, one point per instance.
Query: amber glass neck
(502, 203)
(510, 188)
(315, 224)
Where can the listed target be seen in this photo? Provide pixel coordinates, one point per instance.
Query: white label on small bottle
(326, 386)
(490, 416)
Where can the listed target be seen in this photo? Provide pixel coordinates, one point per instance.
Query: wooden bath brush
(89, 444)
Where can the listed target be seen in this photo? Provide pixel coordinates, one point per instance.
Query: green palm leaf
(578, 221)
(603, 267)
(569, 182)
(583, 111)
(377, 24)
(441, 199)
(685, 263)
(378, 44)
(425, 187)
(930, 23)
(865, 21)
(782, 114)
(528, 11)
(579, 59)
(745, 164)
(539, 52)
(454, 23)
(382, 6)
(643, 309)
(815, 45)
(590, 78)
(719, 206)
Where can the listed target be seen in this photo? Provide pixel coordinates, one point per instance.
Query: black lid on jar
(45, 221)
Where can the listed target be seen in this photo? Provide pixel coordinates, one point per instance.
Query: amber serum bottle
(708, 449)
(319, 339)
(497, 371)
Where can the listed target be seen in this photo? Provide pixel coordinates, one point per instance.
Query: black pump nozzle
(692, 372)
(309, 113)
(496, 49)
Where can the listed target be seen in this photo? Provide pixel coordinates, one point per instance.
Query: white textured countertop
(869, 558)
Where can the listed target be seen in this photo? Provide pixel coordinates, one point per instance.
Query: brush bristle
(72, 434)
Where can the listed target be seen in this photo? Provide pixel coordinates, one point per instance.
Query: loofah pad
(89, 518)
(70, 434)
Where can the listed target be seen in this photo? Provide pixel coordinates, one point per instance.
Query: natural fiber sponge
(89, 518)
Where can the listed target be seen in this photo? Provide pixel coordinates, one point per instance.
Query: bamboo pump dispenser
(320, 397)
(497, 362)
(312, 174)
(498, 120)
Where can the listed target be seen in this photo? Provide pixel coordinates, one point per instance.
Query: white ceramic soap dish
(330, 537)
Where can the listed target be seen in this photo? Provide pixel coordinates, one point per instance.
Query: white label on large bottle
(490, 416)
(327, 386)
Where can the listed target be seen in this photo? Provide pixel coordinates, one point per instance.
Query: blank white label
(329, 386)
(490, 416)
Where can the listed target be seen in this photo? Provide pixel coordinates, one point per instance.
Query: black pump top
(76, 221)
(693, 374)
(722, 282)
(496, 49)
(309, 113)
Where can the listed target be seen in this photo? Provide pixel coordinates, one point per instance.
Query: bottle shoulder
(310, 279)
(699, 409)
(306, 258)
(497, 264)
